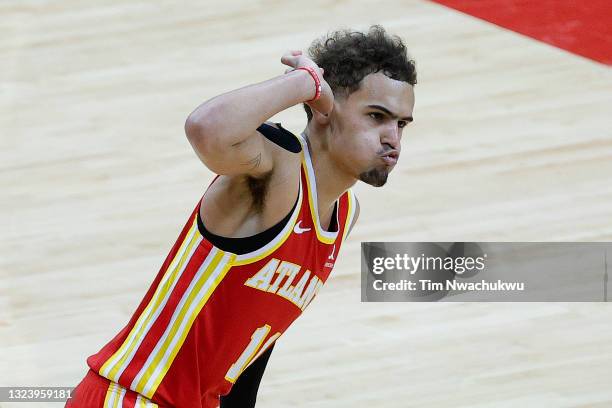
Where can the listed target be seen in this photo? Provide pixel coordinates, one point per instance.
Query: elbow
(198, 122)
(193, 128)
(200, 141)
(200, 129)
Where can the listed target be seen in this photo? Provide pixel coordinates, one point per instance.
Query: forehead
(379, 89)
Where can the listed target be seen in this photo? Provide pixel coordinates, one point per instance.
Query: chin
(376, 177)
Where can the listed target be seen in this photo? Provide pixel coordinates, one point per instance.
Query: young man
(265, 235)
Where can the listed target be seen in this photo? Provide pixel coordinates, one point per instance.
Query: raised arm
(223, 132)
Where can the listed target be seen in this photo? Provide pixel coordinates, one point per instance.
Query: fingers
(290, 58)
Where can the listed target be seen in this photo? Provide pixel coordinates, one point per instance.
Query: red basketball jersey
(209, 313)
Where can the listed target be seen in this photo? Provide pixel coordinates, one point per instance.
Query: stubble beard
(376, 177)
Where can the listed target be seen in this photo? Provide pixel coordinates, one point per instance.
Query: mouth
(390, 158)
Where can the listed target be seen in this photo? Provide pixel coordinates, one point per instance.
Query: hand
(295, 60)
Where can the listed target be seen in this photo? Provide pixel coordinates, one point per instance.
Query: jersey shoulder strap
(281, 136)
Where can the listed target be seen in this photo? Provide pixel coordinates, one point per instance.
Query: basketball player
(266, 233)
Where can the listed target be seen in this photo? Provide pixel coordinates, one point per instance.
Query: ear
(320, 118)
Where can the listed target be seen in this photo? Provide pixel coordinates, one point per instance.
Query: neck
(332, 180)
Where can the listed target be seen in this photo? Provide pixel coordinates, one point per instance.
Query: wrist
(304, 83)
(317, 82)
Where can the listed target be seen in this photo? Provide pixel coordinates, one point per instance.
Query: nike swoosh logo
(298, 230)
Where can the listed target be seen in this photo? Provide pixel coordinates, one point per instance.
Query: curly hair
(348, 56)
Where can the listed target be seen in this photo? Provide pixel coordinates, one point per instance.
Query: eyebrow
(388, 112)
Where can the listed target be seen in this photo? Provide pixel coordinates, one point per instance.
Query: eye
(402, 123)
(376, 115)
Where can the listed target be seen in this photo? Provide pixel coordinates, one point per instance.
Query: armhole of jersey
(278, 240)
(323, 236)
(281, 237)
(350, 214)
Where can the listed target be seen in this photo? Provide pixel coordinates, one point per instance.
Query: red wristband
(314, 76)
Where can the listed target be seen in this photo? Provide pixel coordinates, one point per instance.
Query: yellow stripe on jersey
(117, 363)
(114, 396)
(313, 209)
(206, 280)
(109, 395)
(350, 213)
(327, 237)
(144, 403)
(215, 279)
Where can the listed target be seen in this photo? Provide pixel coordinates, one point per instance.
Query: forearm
(232, 117)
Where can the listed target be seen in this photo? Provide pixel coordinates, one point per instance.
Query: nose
(391, 137)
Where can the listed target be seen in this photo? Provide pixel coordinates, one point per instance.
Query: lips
(390, 158)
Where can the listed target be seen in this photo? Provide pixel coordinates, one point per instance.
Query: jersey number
(251, 352)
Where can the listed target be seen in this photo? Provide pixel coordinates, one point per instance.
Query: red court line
(583, 27)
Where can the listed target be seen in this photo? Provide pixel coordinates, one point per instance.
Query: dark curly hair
(348, 56)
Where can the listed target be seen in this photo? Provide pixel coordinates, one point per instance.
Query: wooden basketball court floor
(511, 142)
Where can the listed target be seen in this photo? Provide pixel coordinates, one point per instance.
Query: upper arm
(252, 156)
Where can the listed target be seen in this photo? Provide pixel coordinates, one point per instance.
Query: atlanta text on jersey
(299, 291)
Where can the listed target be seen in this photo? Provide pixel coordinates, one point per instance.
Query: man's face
(367, 127)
